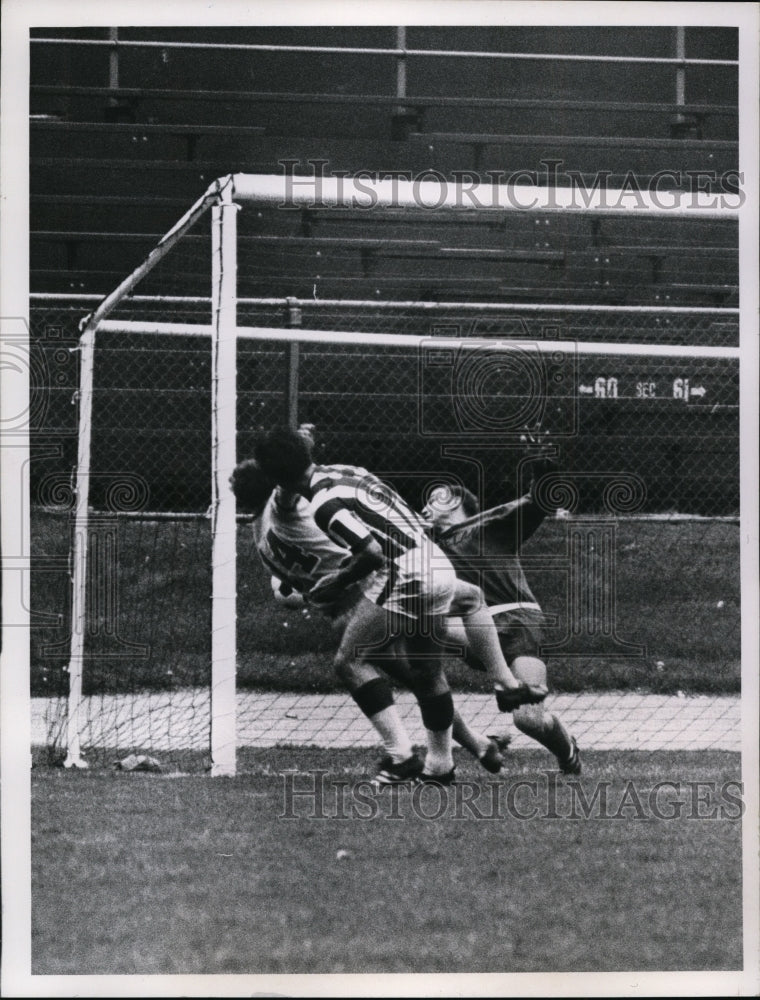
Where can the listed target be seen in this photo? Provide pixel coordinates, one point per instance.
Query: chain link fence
(668, 420)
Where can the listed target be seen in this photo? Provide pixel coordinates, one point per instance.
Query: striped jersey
(352, 505)
(485, 550)
(291, 545)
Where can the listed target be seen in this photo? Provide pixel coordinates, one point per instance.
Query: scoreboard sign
(694, 382)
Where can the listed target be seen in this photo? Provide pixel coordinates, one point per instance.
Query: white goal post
(223, 199)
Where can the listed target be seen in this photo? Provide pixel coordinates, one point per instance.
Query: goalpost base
(75, 763)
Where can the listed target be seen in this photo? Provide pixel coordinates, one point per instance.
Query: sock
(392, 732)
(546, 729)
(375, 699)
(468, 738)
(438, 717)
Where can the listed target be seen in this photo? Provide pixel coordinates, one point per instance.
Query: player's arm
(542, 459)
(531, 517)
(509, 524)
(513, 523)
(339, 523)
(366, 557)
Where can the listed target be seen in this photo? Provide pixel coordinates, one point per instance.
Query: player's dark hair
(251, 487)
(283, 455)
(470, 505)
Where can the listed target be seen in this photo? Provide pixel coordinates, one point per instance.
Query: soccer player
(300, 562)
(413, 582)
(484, 548)
(298, 554)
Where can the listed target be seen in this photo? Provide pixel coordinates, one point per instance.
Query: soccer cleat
(392, 773)
(447, 778)
(571, 764)
(491, 759)
(508, 699)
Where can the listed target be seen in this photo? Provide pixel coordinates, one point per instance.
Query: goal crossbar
(347, 338)
(433, 192)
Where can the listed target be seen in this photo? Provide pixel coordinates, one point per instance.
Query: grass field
(134, 873)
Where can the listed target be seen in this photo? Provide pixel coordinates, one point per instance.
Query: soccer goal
(267, 303)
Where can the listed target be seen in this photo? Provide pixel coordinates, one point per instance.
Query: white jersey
(291, 545)
(351, 505)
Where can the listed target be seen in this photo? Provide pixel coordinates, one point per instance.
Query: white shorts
(418, 584)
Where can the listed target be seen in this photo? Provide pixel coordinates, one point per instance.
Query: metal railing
(398, 53)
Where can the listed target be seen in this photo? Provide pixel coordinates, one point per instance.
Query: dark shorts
(520, 633)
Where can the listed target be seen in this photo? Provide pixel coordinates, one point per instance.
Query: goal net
(268, 303)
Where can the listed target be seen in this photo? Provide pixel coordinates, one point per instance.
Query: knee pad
(437, 711)
(373, 697)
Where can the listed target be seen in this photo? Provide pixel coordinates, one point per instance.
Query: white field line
(599, 721)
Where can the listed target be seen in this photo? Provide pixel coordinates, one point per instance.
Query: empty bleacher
(117, 156)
